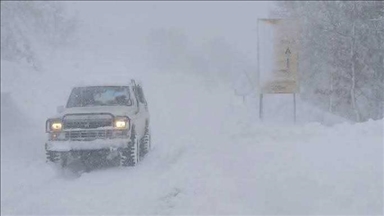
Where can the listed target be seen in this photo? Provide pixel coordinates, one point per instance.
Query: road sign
(278, 52)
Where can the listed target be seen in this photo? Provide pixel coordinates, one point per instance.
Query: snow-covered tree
(27, 26)
(342, 55)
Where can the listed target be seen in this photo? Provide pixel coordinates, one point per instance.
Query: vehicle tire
(145, 142)
(130, 156)
(57, 158)
(52, 156)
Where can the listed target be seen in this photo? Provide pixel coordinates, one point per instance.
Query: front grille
(87, 127)
(86, 124)
(87, 121)
(87, 135)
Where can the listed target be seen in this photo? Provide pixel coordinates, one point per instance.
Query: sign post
(258, 73)
(277, 58)
(294, 107)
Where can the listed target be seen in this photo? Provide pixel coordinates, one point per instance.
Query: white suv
(100, 124)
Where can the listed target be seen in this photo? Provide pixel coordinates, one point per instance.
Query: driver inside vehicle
(100, 96)
(122, 99)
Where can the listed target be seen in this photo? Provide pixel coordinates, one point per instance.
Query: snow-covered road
(205, 162)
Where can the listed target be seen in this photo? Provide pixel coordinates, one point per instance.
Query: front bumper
(63, 146)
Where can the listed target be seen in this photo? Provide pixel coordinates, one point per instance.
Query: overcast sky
(114, 23)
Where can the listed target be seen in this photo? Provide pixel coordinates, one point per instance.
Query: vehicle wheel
(145, 143)
(53, 156)
(57, 158)
(130, 156)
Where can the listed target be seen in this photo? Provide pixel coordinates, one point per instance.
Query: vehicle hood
(114, 110)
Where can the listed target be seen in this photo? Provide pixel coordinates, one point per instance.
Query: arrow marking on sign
(288, 55)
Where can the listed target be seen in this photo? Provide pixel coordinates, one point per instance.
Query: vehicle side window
(140, 94)
(134, 96)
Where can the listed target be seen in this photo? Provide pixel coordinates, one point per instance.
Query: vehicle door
(142, 110)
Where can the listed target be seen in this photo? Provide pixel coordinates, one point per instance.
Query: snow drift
(205, 160)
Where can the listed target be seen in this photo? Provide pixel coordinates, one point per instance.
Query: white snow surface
(207, 159)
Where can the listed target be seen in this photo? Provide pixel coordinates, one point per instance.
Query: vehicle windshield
(99, 96)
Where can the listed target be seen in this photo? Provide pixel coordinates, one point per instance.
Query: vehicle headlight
(121, 123)
(54, 125)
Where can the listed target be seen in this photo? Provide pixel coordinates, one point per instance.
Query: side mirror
(60, 109)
